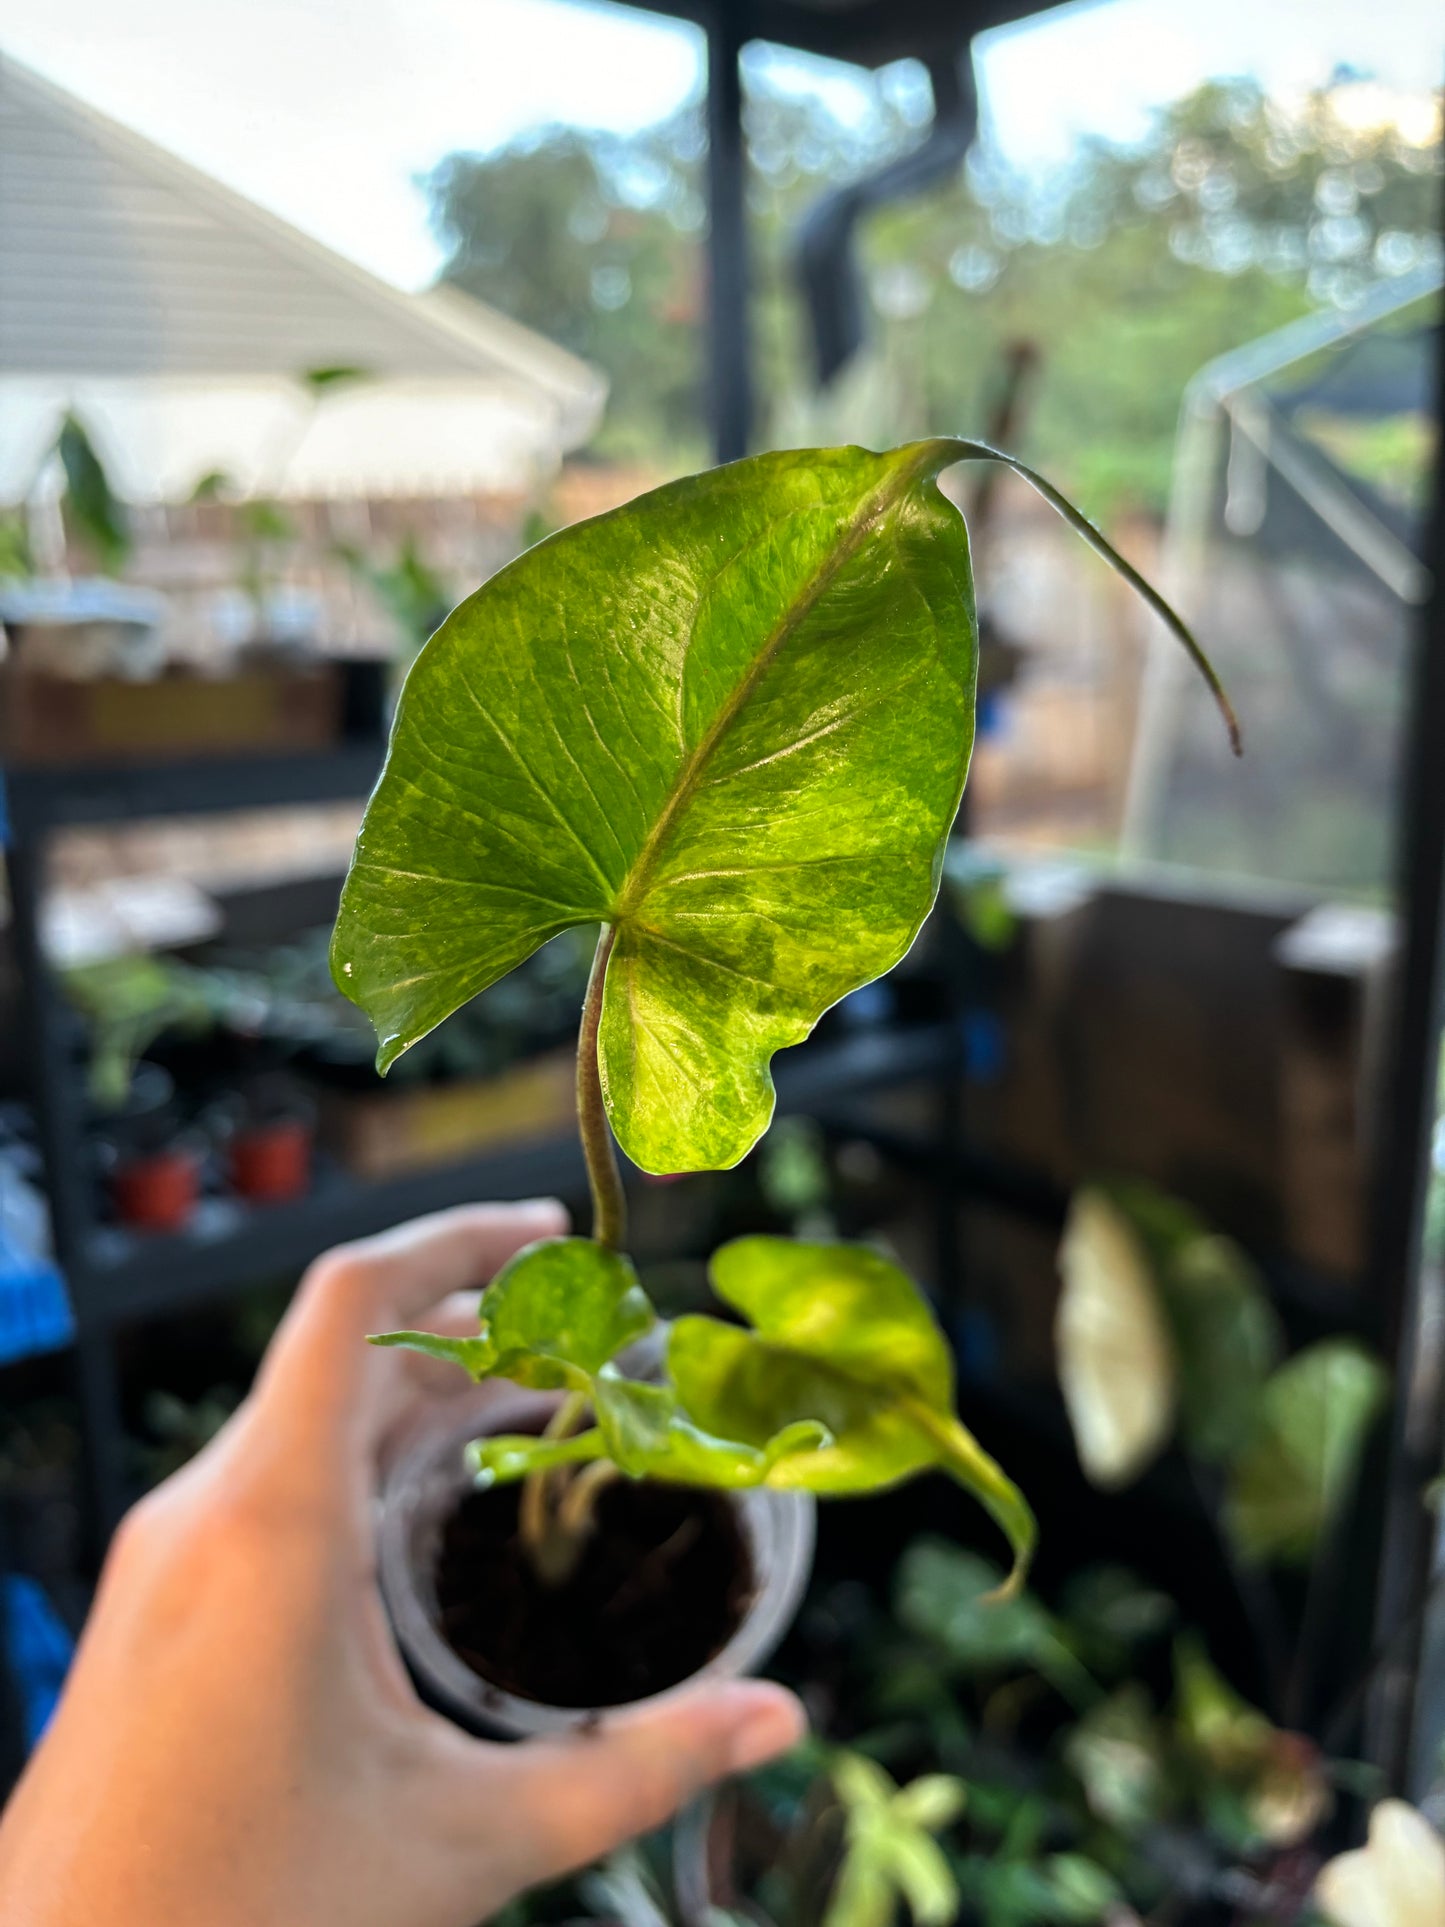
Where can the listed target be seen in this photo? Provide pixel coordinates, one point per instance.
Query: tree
(1129, 271)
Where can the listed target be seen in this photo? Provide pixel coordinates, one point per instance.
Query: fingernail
(767, 1721)
(553, 1206)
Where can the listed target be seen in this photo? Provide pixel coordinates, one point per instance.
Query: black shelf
(122, 1276)
(41, 800)
(128, 1276)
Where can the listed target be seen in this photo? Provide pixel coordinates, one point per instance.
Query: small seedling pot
(158, 1192)
(270, 1162)
(266, 1127)
(421, 1495)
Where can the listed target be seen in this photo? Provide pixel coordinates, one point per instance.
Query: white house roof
(177, 317)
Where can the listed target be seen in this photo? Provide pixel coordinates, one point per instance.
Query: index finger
(320, 1372)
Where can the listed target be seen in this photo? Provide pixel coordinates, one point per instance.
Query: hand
(239, 1745)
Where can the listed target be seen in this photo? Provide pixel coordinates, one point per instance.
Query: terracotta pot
(270, 1163)
(157, 1192)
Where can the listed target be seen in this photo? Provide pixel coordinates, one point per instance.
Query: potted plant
(152, 1162)
(267, 1125)
(729, 724)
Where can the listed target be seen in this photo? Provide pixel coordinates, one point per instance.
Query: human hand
(238, 1744)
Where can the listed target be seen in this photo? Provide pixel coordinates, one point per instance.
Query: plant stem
(609, 1202)
(577, 1507)
(535, 1523)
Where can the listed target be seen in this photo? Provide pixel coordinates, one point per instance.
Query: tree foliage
(1129, 270)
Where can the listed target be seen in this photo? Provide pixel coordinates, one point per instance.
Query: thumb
(581, 1796)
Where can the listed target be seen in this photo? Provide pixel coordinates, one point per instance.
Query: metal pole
(1403, 1285)
(730, 399)
(54, 1092)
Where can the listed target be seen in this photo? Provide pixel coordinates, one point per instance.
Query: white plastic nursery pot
(422, 1490)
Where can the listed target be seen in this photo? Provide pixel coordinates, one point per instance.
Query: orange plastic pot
(272, 1162)
(158, 1192)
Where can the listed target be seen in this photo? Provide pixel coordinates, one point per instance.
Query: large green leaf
(92, 505)
(844, 1337)
(1298, 1466)
(730, 721)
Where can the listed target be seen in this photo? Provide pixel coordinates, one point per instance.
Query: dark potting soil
(662, 1585)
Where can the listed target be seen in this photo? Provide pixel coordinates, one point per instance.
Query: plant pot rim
(418, 1491)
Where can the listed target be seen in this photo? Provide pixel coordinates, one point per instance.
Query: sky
(329, 111)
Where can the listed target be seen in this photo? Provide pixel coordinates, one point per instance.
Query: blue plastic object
(985, 1047)
(38, 1650)
(35, 1313)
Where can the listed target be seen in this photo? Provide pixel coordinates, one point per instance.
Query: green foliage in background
(1298, 1465)
(1129, 270)
(92, 509)
(129, 1002)
(890, 1855)
(1288, 1437)
(16, 559)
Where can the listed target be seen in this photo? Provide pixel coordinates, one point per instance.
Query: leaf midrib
(871, 510)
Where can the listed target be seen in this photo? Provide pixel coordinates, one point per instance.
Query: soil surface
(663, 1583)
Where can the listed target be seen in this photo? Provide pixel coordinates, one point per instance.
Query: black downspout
(826, 267)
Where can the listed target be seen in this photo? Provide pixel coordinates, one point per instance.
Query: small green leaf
(889, 1849)
(844, 1337)
(552, 1318)
(1109, 1612)
(941, 1594)
(648, 1435)
(862, 1895)
(645, 1434)
(340, 375)
(919, 1869)
(476, 1356)
(560, 1310)
(861, 1783)
(1117, 1752)
(1316, 1413)
(1082, 1892)
(505, 1457)
(97, 512)
(933, 1801)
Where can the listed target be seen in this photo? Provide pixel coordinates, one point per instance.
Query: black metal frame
(1409, 1289)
